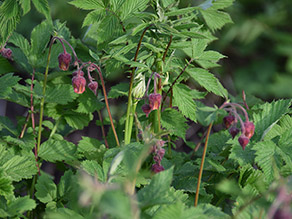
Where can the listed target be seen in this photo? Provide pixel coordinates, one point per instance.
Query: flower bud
(243, 141)
(146, 109)
(64, 61)
(93, 85)
(233, 131)
(6, 53)
(154, 101)
(249, 129)
(79, 84)
(228, 121)
(156, 168)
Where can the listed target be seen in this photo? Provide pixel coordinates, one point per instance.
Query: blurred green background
(258, 44)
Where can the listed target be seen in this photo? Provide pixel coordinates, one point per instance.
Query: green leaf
(215, 19)
(152, 48)
(6, 67)
(21, 205)
(53, 151)
(184, 101)
(87, 4)
(9, 18)
(67, 185)
(94, 17)
(155, 192)
(208, 81)
(77, 120)
(6, 83)
(19, 167)
(94, 169)
(61, 94)
(182, 11)
(88, 102)
(91, 148)
(43, 7)
(174, 122)
(40, 37)
(269, 116)
(119, 90)
(267, 159)
(131, 6)
(25, 5)
(209, 59)
(139, 28)
(6, 187)
(177, 211)
(242, 157)
(63, 213)
(21, 42)
(6, 123)
(46, 190)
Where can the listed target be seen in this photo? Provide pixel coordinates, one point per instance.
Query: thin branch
(173, 83)
(168, 45)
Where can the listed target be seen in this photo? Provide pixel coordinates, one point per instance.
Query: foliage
(134, 169)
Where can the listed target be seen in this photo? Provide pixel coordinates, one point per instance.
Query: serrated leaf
(88, 103)
(20, 205)
(152, 48)
(6, 67)
(184, 100)
(6, 187)
(53, 151)
(119, 90)
(119, 40)
(21, 42)
(131, 6)
(270, 115)
(64, 213)
(139, 28)
(67, 185)
(94, 169)
(46, 189)
(40, 37)
(7, 81)
(25, 5)
(241, 156)
(267, 159)
(155, 192)
(174, 122)
(77, 120)
(181, 11)
(43, 7)
(87, 4)
(215, 19)
(208, 81)
(61, 94)
(6, 123)
(177, 211)
(19, 168)
(209, 59)
(93, 17)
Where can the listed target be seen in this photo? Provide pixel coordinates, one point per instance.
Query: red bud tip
(156, 168)
(146, 109)
(228, 121)
(243, 141)
(249, 129)
(154, 101)
(6, 53)
(93, 85)
(233, 131)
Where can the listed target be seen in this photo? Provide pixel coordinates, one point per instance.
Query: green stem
(130, 112)
(55, 128)
(43, 97)
(202, 164)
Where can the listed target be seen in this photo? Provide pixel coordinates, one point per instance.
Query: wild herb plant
(135, 171)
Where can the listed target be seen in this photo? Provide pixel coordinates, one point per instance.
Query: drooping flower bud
(93, 85)
(6, 53)
(64, 61)
(146, 109)
(243, 141)
(228, 121)
(156, 168)
(249, 129)
(154, 101)
(79, 84)
(233, 131)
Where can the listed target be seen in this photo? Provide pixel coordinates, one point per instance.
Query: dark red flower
(6, 53)
(249, 129)
(154, 101)
(64, 61)
(156, 168)
(93, 85)
(233, 131)
(146, 109)
(228, 121)
(243, 141)
(79, 84)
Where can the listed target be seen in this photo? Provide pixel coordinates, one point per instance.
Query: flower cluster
(158, 153)
(247, 128)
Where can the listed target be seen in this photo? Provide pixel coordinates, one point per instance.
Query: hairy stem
(202, 164)
(107, 104)
(130, 113)
(102, 128)
(43, 97)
